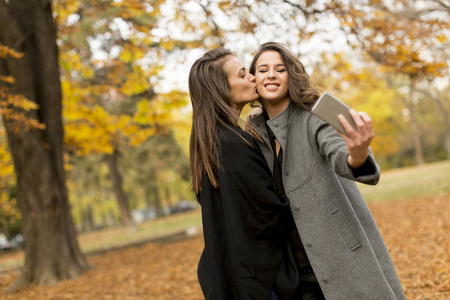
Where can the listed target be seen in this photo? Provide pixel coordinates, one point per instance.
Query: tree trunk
(148, 203)
(88, 219)
(168, 198)
(158, 204)
(121, 197)
(52, 252)
(446, 122)
(414, 127)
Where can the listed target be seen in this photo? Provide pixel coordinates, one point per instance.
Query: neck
(234, 117)
(274, 109)
(237, 107)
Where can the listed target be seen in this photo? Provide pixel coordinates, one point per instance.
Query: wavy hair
(209, 91)
(301, 91)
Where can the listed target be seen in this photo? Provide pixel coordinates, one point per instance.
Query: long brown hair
(209, 90)
(301, 90)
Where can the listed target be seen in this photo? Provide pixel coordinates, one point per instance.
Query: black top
(302, 260)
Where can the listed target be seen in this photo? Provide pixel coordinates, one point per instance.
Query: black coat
(244, 223)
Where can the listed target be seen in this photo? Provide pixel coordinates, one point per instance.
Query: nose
(271, 73)
(251, 77)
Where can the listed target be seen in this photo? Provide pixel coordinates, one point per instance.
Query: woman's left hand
(358, 141)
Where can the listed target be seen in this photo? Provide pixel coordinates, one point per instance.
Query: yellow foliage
(167, 44)
(130, 4)
(126, 55)
(5, 51)
(87, 72)
(8, 209)
(224, 5)
(20, 101)
(140, 135)
(12, 108)
(7, 79)
(63, 9)
(163, 110)
(70, 61)
(7, 169)
(441, 38)
(140, 117)
(379, 102)
(136, 82)
(84, 138)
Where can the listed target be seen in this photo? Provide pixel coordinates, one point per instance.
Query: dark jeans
(272, 295)
(311, 291)
(310, 288)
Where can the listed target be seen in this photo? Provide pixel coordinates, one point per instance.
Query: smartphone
(328, 108)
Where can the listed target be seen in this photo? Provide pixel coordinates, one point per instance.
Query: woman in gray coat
(341, 254)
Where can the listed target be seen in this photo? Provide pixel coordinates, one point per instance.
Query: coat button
(275, 124)
(324, 279)
(283, 136)
(309, 244)
(297, 208)
(286, 173)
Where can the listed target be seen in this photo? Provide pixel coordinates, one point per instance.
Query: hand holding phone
(328, 108)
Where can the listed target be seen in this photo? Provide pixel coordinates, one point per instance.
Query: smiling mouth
(271, 86)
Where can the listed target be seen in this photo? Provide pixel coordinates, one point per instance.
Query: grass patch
(120, 236)
(105, 239)
(428, 180)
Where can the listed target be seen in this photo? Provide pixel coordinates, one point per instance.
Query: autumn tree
(111, 61)
(52, 252)
(401, 38)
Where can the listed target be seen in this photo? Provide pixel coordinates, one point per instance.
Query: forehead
(233, 65)
(270, 57)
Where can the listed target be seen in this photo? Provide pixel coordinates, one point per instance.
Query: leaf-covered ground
(416, 232)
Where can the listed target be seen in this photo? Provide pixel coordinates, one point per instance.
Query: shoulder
(305, 118)
(230, 136)
(236, 144)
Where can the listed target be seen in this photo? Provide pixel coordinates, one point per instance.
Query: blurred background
(126, 110)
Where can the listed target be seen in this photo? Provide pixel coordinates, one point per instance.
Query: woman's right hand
(254, 113)
(358, 141)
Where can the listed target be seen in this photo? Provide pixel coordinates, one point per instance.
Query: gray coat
(342, 241)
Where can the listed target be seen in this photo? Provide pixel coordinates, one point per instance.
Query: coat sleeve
(248, 190)
(334, 149)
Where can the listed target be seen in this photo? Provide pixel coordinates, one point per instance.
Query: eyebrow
(266, 65)
(241, 69)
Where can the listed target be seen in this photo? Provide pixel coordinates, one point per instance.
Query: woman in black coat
(244, 220)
